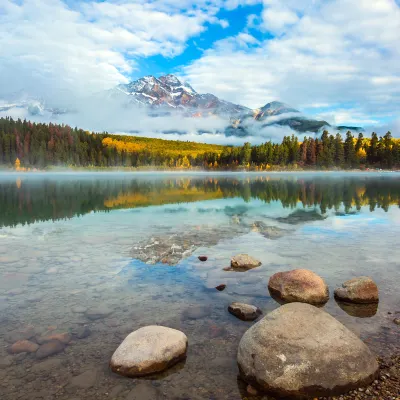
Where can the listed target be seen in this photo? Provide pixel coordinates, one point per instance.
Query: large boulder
(362, 290)
(148, 350)
(298, 285)
(245, 312)
(243, 262)
(299, 350)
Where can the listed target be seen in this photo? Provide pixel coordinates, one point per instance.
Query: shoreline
(196, 171)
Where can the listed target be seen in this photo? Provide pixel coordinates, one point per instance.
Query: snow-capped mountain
(168, 96)
(169, 93)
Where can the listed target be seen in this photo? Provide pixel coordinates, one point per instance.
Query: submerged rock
(298, 285)
(361, 290)
(244, 262)
(299, 350)
(196, 312)
(245, 312)
(23, 346)
(203, 258)
(81, 332)
(268, 231)
(98, 312)
(20, 334)
(50, 348)
(148, 350)
(5, 362)
(64, 337)
(221, 287)
(85, 380)
(301, 216)
(170, 248)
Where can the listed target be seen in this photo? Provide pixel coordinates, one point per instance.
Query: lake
(93, 257)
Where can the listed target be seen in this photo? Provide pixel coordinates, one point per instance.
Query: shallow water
(104, 254)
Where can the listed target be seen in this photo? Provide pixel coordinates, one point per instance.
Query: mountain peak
(170, 80)
(277, 108)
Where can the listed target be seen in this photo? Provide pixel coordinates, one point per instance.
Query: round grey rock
(299, 350)
(148, 350)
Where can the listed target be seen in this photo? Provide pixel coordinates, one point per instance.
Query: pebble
(85, 380)
(98, 312)
(81, 332)
(143, 391)
(5, 362)
(61, 337)
(50, 348)
(220, 288)
(78, 309)
(20, 334)
(23, 346)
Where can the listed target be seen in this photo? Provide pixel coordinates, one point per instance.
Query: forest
(27, 145)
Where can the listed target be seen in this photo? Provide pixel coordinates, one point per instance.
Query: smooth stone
(50, 348)
(116, 390)
(196, 312)
(81, 332)
(298, 285)
(221, 287)
(245, 312)
(85, 380)
(143, 391)
(64, 337)
(243, 262)
(20, 334)
(397, 321)
(299, 350)
(5, 362)
(203, 258)
(50, 365)
(78, 309)
(98, 312)
(23, 346)
(148, 350)
(361, 290)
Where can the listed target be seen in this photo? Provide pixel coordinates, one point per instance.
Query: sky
(337, 60)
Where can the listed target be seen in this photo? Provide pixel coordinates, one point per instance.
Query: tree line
(24, 144)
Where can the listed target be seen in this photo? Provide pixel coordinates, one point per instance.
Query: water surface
(104, 254)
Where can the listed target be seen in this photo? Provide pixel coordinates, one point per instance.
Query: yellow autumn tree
(17, 164)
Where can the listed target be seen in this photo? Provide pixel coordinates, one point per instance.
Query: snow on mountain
(168, 92)
(169, 96)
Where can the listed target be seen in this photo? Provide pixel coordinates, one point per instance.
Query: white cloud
(47, 46)
(326, 52)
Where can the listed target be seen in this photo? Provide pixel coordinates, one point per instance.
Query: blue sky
(337, 60)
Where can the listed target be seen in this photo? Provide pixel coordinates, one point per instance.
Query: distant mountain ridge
(168, 95)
